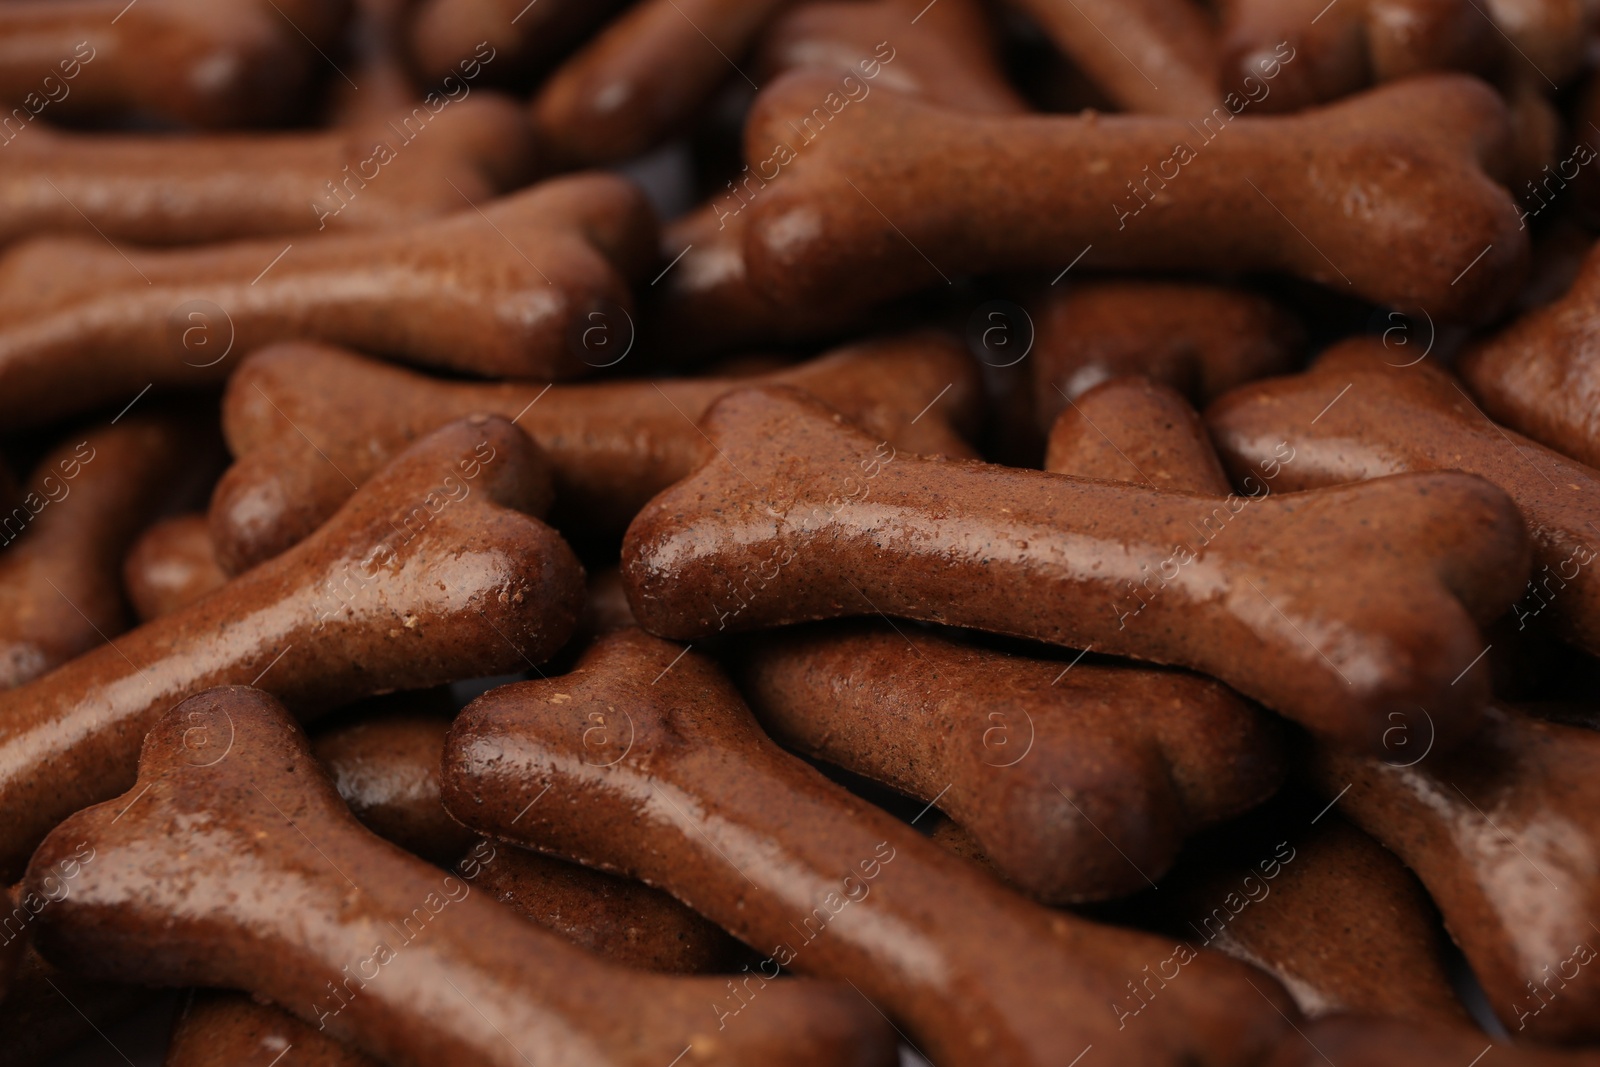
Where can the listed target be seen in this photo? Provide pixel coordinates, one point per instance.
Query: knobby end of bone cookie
(749, 490)
(632, 699)
(218, 768)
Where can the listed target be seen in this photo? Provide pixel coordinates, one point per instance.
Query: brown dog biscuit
(309, 910)
(1394, 414)
(62, 545)
(384, 763)
(218, 1029)
(308, 424)
(499, 290)
(189, 61)
(431, 573)
(1162, 58)
(1077, 782)
(1503, 834)
(415, 164)
(800, 516)
(617, 918)
(519, 35)
(1541, 374)
(642, 78)
(1325, 52)
(937, 192)
(1201, 339)
(171, 566)
(948, 54)
(1377, 1042)
(685, 792)
(1136, 431)
(1343, 925)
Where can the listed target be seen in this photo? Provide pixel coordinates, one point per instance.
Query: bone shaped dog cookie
(217, 1029)
(617, 918)
(236, 863)
(1541, 374)
(309, 423)
(413, 164)
(520, 35)
(948, 54)
(190, 61)
(61, 545)
(1392, 416)
(1376, 1042)
(1338, 920)
(1342, 924)
(1201, 339)
(385, 765)
(492, 291)
(1077, 783)
(891, 194)
(431, 573)
(384, 762)
(1325, 53)
(1334, 608)
(1503, 833)
(1163, 54)
(1134, 430)
(681, 789)
(170, 566)
(644, 76)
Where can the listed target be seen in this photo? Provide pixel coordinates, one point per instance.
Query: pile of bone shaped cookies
(696, 533)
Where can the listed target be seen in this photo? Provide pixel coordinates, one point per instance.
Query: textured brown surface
(1504, 835)
(1136, 431)
(249, 871)
(692, 796)
(154, 189)
(496, 292)
(1393, 1043)
(969, 194)
(425, 576)
(1352, 44)
(1397, 418)
(644, 77)
(171, 566)
(800, 517)
(1077, 782)
(1158, 57)
(1200, 339)
(218, 1029)
(948, 54)
(306, 422)
(61, 547)
(620, 919)
(190, 61)
(1343, 925)
(1541, 374)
